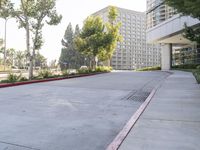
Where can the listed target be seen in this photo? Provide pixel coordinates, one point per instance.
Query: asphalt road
(74, 114)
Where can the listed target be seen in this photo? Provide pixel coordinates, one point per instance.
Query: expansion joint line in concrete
(169, 120)
(17, 145)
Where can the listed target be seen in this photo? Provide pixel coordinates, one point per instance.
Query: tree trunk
(4, 61)
(28, 49)
(90, 63)
(109, 62)
(31, 68)
(26, 26)
(96, 61)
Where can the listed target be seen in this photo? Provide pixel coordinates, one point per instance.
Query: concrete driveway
(74, 114)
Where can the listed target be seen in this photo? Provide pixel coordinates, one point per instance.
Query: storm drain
(142, 94)
(138, 96)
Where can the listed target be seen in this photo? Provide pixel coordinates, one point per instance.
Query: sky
(74, 11)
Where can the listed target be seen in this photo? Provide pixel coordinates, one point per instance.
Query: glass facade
(157, 12)
(187, 55)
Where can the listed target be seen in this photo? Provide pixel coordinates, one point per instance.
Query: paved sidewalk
(172, 119)
(73, 114)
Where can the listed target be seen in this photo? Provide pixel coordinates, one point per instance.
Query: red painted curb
(115, 144)
(4, 85)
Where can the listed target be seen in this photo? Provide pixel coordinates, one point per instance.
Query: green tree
(113, 35)
(68, 36)
(70, 57)
(53, 64)
(44, 11)
(193, 34)
(91, 40)
(66, 56)
(80, 58)
(2, 3)
(32, 16)
(99, 40)
(188, 8)
(5, 13)
(77, 31)
(23, 15)
(40, 60)
(19, 58)
(10, 53)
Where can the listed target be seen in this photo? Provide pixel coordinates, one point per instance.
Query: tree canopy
(70, 57)
(2, 3)
(113, 31)
(32, 16)
(186, 7)
(99, 39)
(92, 39)
(5, 11)
(190, 8)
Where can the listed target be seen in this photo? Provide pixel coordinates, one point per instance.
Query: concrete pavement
(172, 119)
(73, 114)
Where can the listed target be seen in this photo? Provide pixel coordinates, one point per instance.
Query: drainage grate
(129, 95)
(141, 94)
(138, 96)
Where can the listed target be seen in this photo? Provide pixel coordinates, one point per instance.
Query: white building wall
(166, 56)
(169, 28)
(133, 52)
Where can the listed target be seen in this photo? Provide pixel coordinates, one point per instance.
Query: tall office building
(166, 27)
(133, 52)
(157, 12)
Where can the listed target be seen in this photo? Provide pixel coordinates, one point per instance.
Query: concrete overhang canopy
(171, 30)
(178, 38)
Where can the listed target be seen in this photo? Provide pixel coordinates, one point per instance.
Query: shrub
(103, 69)
(5, 81)
(65, 72)
(83, 70)
(186, 66)
(7, 68)
(150, 68)
(198, 67)
(13, 77)
(23, 79)
(91, 70)
(45, 73)
(196, 73)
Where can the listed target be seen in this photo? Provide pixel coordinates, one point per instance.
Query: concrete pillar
(166, 53)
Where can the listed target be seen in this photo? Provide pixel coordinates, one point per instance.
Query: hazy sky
(74, 11)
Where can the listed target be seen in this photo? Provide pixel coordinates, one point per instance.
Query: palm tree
(20, 59)
(10, 53)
